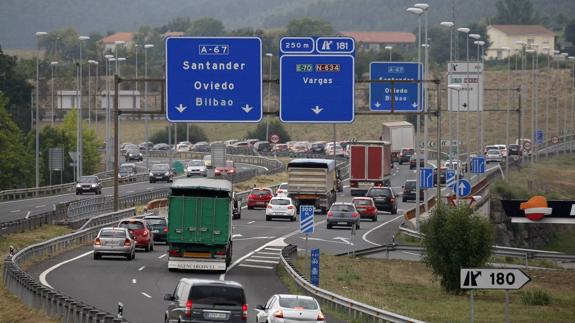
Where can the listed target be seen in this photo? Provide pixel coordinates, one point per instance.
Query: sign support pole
(507, 306)
(471, 306)
(305, 258)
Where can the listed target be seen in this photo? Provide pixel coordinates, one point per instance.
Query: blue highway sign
(539, 137)
(463, 187)
(478, 165)
(426, 178)
(306, 219)
(314, 267)
(450, 178)
(405, 98)
(297, 45)
(317, 88)
(216, 79)
(335, 45)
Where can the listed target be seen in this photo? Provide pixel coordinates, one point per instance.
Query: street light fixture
(390, 49)
(37, 116)
(270, 55)
(450, 25)
(146, 47)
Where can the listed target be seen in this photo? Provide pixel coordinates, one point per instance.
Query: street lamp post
(466, 32)
(270, 55)
(479, 44)
(118, 72)
(547, 50)
(507, 116)
(37, 116)
(418, 12)
(457, 87)
(79, 145)
(52, 66)
(390, 49)
(90, 63)
(533, 130)
(109, 58)
(146, 47)
(571, 131)
(450, 25)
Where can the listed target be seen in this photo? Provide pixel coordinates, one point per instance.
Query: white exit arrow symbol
(317, 109)
(377, 104)
(414, 105)
(181, 108)
(247, 108)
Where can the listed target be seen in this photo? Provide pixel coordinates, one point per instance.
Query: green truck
(200, 224)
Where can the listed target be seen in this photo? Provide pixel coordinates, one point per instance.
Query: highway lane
(12, 210)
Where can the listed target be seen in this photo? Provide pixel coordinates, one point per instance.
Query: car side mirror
(169, 297)
(260, 307)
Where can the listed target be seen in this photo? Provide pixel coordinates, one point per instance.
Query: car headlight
(167, 174)
(94, 185)
(130, 155)
(151, 174)
(78, 185)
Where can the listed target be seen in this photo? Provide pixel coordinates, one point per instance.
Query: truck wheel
(172, 270)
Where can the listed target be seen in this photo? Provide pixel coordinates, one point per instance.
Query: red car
(366, 207)
(142, 234)
(259, 197)
(230, 169)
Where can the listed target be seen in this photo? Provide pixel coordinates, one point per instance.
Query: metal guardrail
(47, 300)
(356, 310)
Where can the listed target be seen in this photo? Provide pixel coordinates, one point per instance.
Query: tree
(90, 154)
(206, 26)
(177, 24)
(16, 161)
(455, 238)
(275, 128)
(570, 32)
(16, 90)
(515, 12)
(196, 134)
(309, 27)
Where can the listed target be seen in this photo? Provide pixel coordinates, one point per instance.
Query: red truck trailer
(370, 165)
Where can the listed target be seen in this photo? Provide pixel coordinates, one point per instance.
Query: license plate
(158, 177)
(215, 316)
(85, 188)
(155, 231)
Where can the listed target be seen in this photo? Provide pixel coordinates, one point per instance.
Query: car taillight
(353, 184)
(165, 230)
(174, 252)
(189, 308)
(245, 312)
(372, 209)
(270, 206)
(145, 233)
(329, 214)
(97, 241)
(231, 171)
(279, 314)
(127, 242)
(320, 317)
(392, 200)
(290, 207)
(355, 214)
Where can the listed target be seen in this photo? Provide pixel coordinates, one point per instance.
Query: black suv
(409, 191)
(161, 172)
(413, 162)
(134, 154)
(159, 227)
(87, 184)
(202, 300)
(513, 150)
(405, 155)
(384, 198)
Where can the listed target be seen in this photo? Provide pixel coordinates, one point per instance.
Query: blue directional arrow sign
(539, 137)
(317, 88)
(463, 187)
(214, 79)
(314, 267)
(450, 178)
(478, 165)
(426, 178)
(405, 98)
(306, 219)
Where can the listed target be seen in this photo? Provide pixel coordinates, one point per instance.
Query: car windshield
(260, 192)
(160, 167)
(88, 179)
(208, 157)
(379, 192)
(217, 295)
(362, 202)
(112, 234)
(133, 151)
(229, 163)
(156, 221)
(342, 208)
(283, 186)
(136, 225)
(493, 152)
(298, 303)
(410, 184)
(196, 163)
(280, 202)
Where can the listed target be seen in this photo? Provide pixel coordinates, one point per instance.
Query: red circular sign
(275, 139)
(554, 139)
(527, 145)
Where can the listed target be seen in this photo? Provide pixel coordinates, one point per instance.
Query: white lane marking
(129, 191)
(268, 253)
(148, 296)
(279, 242)
(411, 253)
(251, 222)
(255, 266)
(39, 206)
(14, 211)
(237, 235)
(141, 268)
(266, 257)
(253, 238)
(262, 261)
(45, 273)
(27, 215)
(133, 281)
(364, 237)
(324, 240)
(273, 249)
(346, 240)
(148, 188)
(162, 256)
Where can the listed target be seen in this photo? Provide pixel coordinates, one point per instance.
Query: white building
(65, 100)
(128, 100)
(501, 36)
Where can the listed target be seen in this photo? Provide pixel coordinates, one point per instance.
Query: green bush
(455, 238)
(536, 297)
(508, 191)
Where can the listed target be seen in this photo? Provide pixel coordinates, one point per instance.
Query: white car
(282, 190)
(493, 155)
(184, 146)
(290, 308)
(281, 207)
(196, 167)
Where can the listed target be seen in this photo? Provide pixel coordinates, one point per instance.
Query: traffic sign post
(539, 137)
(527, 145)
(450, 178)
(458, 74)
(275, 138)
(478, 165)
(317, 80)
(554, 140)
(314, 267)
(426, 177)
(306, 213)
(487, 278)
(463, 187)
(214, 79)
(403, 95)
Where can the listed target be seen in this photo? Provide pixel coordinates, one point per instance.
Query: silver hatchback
(114, 242)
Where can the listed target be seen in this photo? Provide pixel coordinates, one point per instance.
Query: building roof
(389, 37)
(518, 30)
(173, 34)
(123, 36)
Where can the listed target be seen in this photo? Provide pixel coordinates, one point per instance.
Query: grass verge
(261, 181)
(11, 308)
(408, 288)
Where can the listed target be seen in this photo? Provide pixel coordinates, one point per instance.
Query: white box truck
(401, 134)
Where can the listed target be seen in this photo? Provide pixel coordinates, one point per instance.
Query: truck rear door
(358, 162)
(204, 220)
(375, 163)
